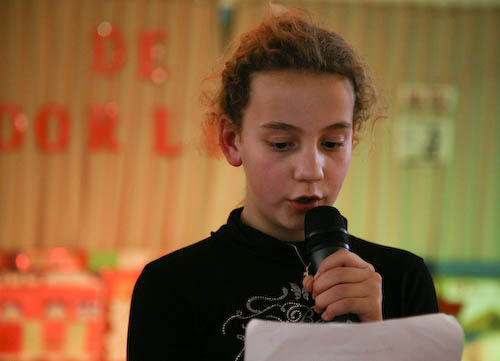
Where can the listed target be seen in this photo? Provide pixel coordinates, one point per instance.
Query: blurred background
(103, 165)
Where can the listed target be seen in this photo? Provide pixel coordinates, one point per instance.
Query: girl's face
(295, 146)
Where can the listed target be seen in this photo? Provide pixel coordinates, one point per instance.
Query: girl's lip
(303, 207)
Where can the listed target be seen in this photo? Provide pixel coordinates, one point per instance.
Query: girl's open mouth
(306, 200)
(304, 203)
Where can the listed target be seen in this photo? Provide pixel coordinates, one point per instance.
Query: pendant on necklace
(306, 270)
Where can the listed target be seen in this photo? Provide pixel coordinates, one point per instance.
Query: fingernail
(316, 275)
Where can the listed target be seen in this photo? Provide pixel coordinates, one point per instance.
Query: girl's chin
(293, 229)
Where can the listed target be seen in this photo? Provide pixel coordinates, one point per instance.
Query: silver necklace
(306, 267)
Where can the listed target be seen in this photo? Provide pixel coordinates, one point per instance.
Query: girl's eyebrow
(287, 126)
(279, 126)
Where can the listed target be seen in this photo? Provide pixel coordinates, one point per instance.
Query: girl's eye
(332, 145)
(280, 145)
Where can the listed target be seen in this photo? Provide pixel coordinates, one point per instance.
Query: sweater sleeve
(160, 323)
(419, 292)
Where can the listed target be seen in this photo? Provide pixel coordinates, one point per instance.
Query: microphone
(325, 233)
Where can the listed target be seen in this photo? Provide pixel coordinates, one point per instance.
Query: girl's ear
(229, 140)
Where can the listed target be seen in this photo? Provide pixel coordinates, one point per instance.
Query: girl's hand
(345, 283)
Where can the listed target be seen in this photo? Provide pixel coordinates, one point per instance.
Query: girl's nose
(309, 165)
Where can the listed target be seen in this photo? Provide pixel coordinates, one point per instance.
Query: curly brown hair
(289, 42)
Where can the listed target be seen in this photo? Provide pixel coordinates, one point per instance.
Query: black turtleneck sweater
(194, 303)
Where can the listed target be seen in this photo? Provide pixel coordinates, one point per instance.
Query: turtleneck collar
(260, 242)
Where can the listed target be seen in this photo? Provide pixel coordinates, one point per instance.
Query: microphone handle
(316, 258)
(318, 255)
(347, 318)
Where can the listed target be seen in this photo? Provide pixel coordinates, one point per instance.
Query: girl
(292, 99)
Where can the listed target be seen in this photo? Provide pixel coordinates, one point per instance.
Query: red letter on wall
(41, 127)
(103, 119)
(151, 49)
(11, 338)
(108, 34)
(18, 121)
(162, 145)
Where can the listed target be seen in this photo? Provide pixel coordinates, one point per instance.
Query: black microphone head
(326, 232)
(323, 219)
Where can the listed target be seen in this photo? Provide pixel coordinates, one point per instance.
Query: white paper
(421, 338)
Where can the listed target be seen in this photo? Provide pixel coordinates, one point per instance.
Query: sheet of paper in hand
(421, 338)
